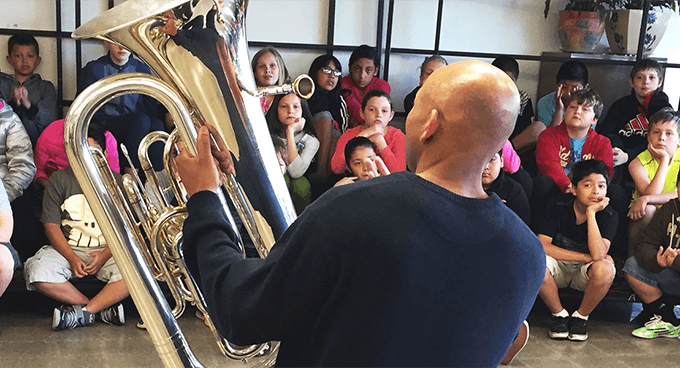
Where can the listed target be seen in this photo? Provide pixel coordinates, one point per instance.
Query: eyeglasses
(329, 71)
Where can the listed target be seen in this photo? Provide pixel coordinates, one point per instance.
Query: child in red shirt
(376, 109)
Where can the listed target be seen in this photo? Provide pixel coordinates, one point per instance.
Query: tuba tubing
(106, 201)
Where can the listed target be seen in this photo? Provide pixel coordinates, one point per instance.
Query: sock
(89, 317)
(563, 313)
(579, 315)
(665, 310)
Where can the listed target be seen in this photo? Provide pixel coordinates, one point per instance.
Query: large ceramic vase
(623, 29)
(580, 31)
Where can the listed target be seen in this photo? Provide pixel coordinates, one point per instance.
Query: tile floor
(26, 340)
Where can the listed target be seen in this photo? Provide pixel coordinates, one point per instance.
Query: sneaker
(577, 329)
(68, 317)
(559, 329)
(657, 327)
(113, 315)
(140, 324)
(517, 345)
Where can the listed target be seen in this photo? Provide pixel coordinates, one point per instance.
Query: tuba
(198, 53)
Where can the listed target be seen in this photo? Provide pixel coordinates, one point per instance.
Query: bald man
(408, 269)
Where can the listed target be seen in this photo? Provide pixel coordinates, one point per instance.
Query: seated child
(292, 131)
(559, 147)
(77, 249)
(527, 129)
(428, 67)
(653, 272)
(129, 117)
(9, 258)
(626, 122)
(509, 191)
(329, 109)
(31, 97)
(361, 161)
(363, 70)
(655, 170)
(16, 171)
(49, 154)
(376, 109)
(16, 153)
(576, 231)
(269, 70)
(572, 76)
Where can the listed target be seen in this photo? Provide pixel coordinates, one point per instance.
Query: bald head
(465, 110)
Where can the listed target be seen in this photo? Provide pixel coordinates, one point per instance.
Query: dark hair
(667, 114)
(645, 64)
(584, 168)
(23, 39)
(588, 97)
(573, 70)
(284, 77)
(276, 128)
(96, 131)
(355, 143)
(507, 64)
(375, 93)
(364, 52)
(436, 58)
(321, 62)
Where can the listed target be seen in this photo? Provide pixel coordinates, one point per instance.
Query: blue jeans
(667, 280)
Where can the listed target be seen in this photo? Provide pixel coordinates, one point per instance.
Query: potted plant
(581, 23)
(623, 25)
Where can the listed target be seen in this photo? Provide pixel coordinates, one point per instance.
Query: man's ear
(38, 60)
(361, 113)
(431, 126)
(376, 71)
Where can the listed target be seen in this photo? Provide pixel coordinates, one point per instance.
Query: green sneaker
(657, 327)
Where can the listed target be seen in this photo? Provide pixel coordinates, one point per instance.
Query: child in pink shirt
(363, 71)
(376, 109)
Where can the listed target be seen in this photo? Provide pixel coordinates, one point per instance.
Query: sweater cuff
(202, 201)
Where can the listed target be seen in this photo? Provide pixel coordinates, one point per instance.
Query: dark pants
(130, 129)
(28, 234)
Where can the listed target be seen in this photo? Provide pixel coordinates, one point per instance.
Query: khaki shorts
(571, 274)
(48, 265)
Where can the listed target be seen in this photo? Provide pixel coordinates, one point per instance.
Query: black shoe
(559, 329)
(577, 329)
(113, 315)
(68, 317)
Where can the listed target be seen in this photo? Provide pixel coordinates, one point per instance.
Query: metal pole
(643, 30)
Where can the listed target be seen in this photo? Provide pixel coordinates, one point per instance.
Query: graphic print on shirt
(78, 223)
(636, 126)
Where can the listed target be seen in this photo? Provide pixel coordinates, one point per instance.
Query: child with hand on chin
(362, 162)
(292, 131)
(376, 109)
(655, 171)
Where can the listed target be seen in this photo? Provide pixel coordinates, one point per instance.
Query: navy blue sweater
(393, 271)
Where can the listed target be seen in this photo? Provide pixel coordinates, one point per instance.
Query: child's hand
(665, 258)
(347, 180)
(381, 167)
(98, 260)
(620, 156)
(559, 105)
(659, 154)
(78, 267)
(598, 206)
(638, 209)
(20, 95)
(295, 127)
